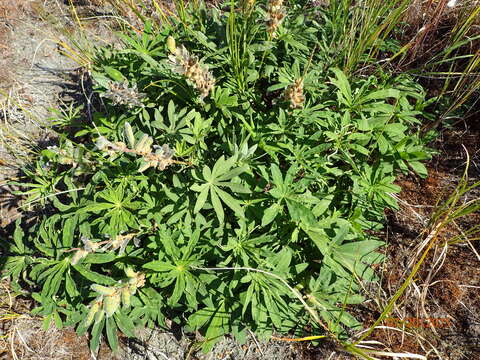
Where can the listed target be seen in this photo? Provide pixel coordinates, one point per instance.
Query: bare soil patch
(448, 283)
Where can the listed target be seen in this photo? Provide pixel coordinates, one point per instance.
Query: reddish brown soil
(454, 289)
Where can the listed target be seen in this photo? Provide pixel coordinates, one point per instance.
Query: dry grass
(446, 286)
(22, 335)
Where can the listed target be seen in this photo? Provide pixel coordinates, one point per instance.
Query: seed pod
(111, 304)
(99, 316)
(79, 255)
(140, 145)
(172, 47)
(102, 143)
(126, 296)
(103, 290)
(92, 312)
(130, 273)
(129, 135)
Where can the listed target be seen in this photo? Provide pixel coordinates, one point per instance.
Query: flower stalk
(109, 299)
(275, 15)
(294, 94)
(161, 158)
(189, 66)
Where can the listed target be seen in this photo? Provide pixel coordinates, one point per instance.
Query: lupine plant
(230, 181)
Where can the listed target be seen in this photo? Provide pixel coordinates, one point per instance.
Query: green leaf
(357, 250)
(46, 322)
(216, 320)
(58, 320)
(395, 129)
(207, 174)
(95, 258)
(270, 214)
(125, 324)
(380, 95)
(342, 83)
(238, 188)
(232, 203)
(201, 199)
(95, 207)
(232, 173)
(70, 285)
(111, 328)
(276, 175)
(53, 282)
(94, 276)
(178, 290)
(18, 237)
(68, 231)
(382, 144)
(95, 335)
(419, 168)
(299, 212)
(114, 73)
(159, 266)
(217, 205)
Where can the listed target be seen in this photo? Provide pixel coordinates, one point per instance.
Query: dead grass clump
(432, 27)
(17, 134)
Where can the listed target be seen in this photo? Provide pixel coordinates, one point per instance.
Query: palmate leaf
(50, 274)
(176, 268)
(221, 175)
(53, 282)
(347, 259)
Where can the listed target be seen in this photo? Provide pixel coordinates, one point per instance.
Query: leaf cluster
(274, 178)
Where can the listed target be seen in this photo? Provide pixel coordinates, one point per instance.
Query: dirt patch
(32, 77)
(447, 285)
(10, 12)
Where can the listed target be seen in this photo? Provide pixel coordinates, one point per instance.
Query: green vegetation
(231, 179)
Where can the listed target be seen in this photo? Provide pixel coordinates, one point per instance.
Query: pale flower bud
(103, 290)
(92, 312)
(171, 45)
(111, 304)
(130, 273)
(79, 255)
(129, 135)
(126, 296)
